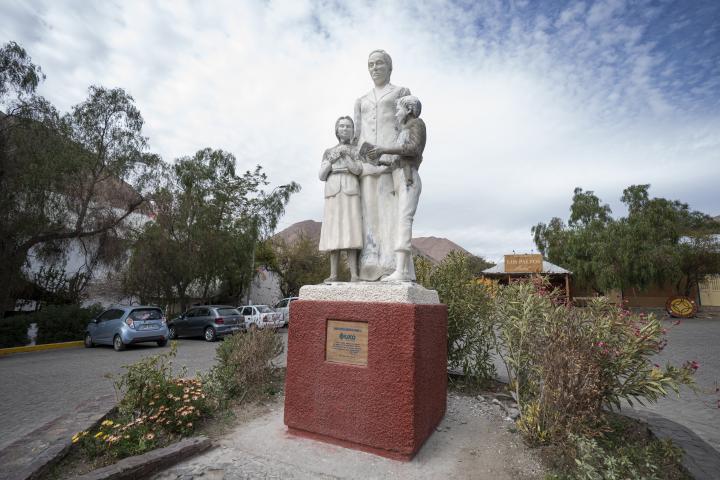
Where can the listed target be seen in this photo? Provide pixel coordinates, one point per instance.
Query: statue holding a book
(389, 141)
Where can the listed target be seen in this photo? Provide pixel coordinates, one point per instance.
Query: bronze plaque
(346, 342)
(532, 263)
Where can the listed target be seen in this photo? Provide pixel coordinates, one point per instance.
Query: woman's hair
(412, 103)
(337, 122)
(386, 57)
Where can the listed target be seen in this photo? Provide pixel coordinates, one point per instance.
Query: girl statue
(342, 219)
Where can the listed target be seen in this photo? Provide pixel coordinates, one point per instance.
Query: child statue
(408, 149)
(342, 219)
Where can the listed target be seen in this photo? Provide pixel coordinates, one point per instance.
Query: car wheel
(118, 344)
(172, 332)
(210, 334)
(162, 343)
(88, 341)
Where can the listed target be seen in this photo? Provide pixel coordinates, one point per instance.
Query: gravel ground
(473, 441)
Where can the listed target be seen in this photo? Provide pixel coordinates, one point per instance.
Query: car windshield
(146, 314)
(264, 309)
(227, 311)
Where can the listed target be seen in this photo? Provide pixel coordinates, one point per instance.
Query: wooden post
(567, 287)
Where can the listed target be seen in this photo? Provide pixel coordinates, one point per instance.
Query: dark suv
(208, 321)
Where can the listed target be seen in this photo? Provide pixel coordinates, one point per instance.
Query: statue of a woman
(375, 123)
(342, 220)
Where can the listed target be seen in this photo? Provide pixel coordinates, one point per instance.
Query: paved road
(38, 387)
(694, 339)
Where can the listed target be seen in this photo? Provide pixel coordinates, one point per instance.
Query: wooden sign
(523, 263)
(346, 342)
(680, 307)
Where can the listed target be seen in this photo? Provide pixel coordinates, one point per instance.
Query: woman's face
(345, 130)
(379, 69)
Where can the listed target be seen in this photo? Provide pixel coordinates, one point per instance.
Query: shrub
(470, 338)
(156, 407)
(243, 366)
(567, 365)
(13, 331)
(62, 323)
(597, 460)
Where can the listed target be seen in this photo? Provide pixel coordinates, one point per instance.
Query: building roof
(548, 267)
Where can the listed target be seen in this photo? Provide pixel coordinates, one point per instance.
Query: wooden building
(526, 266)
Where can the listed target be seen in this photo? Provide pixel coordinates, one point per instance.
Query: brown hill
(433, 248)
(309, 228)
(436, 249)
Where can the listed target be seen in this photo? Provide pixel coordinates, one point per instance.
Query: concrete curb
(32, 455)
(35, 348)
(700, 459)
(142, 466)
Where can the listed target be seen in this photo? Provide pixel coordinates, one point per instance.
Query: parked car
(261, 316)
(208, 321)
(283, 306)
(121, 326)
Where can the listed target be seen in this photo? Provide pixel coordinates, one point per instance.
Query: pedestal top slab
(380, 292)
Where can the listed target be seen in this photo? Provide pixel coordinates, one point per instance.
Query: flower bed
(158, 408)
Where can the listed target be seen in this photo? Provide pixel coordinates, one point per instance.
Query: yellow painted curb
(35, 348)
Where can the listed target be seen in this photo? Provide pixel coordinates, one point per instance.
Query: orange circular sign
(680, 306)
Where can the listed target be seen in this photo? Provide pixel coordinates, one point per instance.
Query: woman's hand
(334, 156)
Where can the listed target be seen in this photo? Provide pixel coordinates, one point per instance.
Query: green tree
(203, 239)
(659, 242)
(18, 74)
(65, 177)
(477, 264)
(299, 263)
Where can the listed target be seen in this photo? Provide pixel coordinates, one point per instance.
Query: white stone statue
(376, 124)
(342, 220)
(404, 156)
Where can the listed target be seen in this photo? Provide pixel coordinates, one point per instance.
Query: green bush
(597, 460)
(13, 331)
(470, 337)
(62, 323)
(156, 407)
(244, 369)
(568, 365)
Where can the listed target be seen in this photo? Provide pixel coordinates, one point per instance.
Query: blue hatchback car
(120, 326)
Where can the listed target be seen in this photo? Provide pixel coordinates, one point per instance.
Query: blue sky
(524, 100)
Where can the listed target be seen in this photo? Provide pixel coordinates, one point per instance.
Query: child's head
(408, 104)
(344, 128)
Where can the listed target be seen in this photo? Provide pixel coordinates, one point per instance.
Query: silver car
(121, 326)
(283, 306)
(261, 316)
(209, 321)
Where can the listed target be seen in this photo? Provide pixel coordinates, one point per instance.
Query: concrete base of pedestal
(389, 406)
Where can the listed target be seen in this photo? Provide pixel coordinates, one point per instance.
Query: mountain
(433, 248)
(436, 249)
(310, 228)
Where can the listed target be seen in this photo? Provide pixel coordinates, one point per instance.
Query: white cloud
(521, 106)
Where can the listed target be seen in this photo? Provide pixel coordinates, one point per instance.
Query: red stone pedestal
(388, 407)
